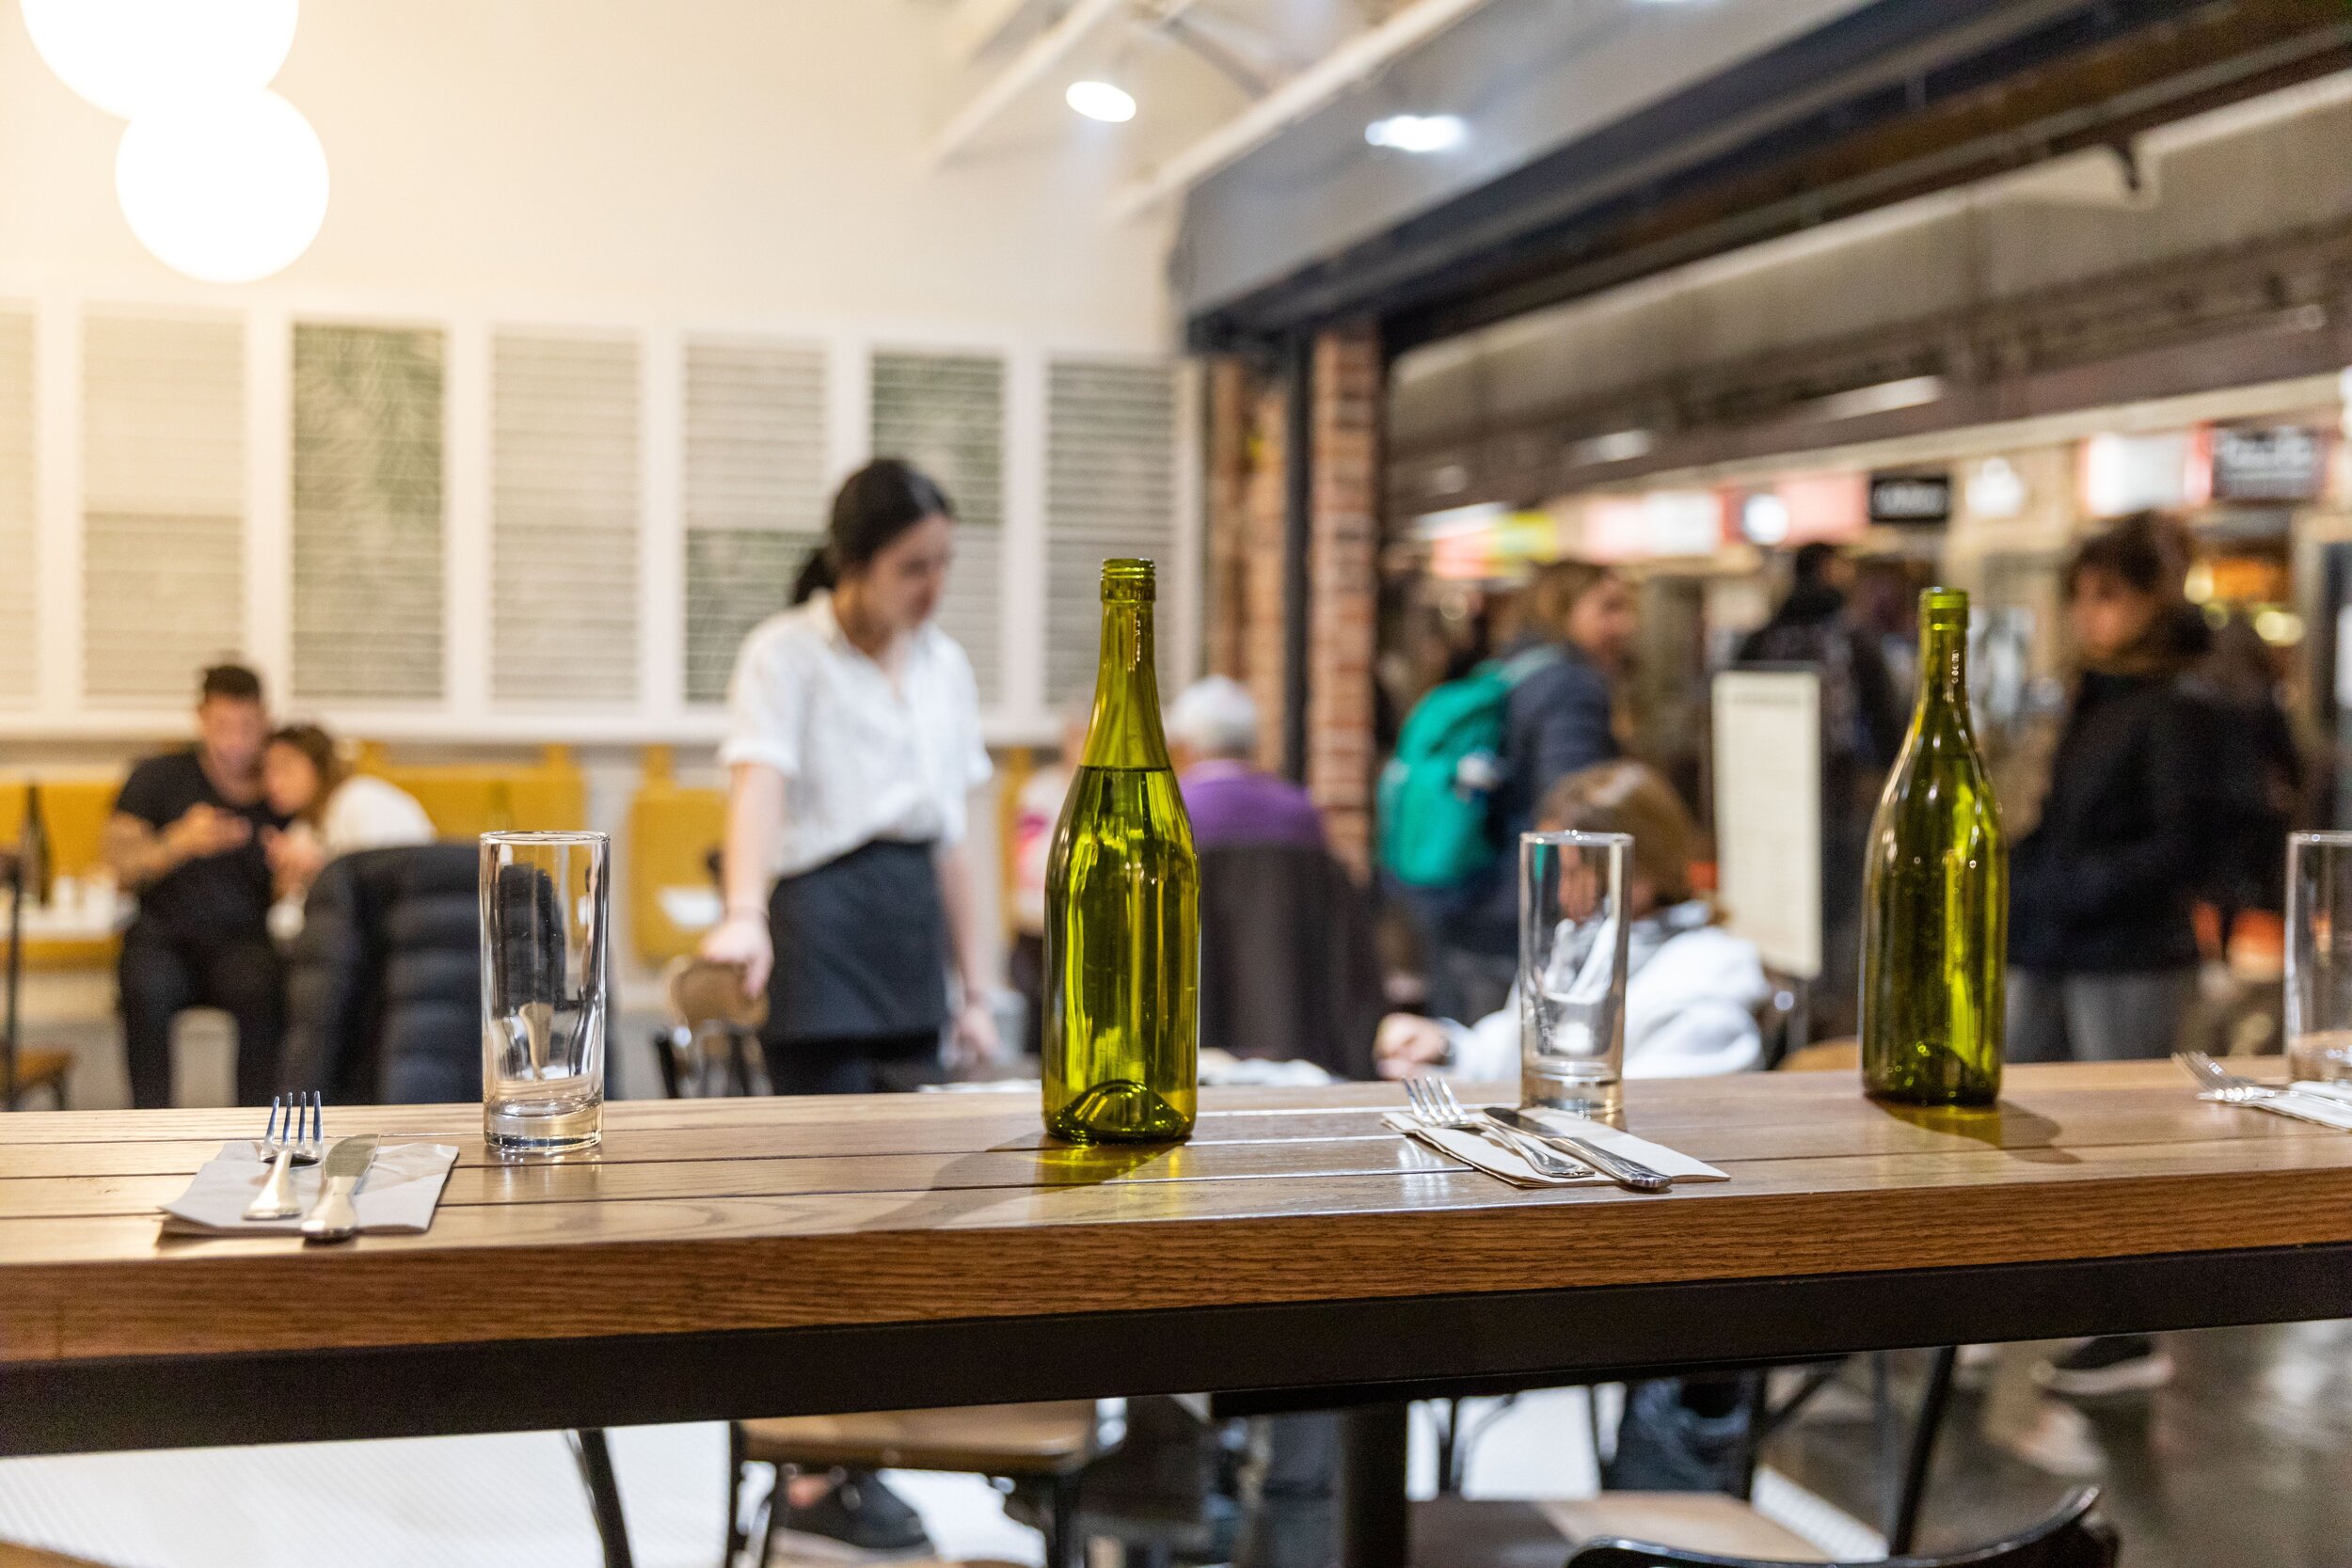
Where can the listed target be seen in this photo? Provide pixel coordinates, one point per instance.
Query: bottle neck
(1125, 731)
(1944, 661)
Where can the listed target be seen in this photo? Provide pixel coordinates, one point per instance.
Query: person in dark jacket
(2258, 781)
(2103, 956)
(2102, 953)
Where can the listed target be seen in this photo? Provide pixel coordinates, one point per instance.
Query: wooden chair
(14, 1555)
(708, 1050)
(1828, 1057)
(1050, 1444)
(1704, 1530)
(712, 1039)
(21, 1068)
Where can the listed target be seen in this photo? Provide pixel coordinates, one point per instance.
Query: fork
(2231, 1088)
(295, 1141)
(1432, 1104)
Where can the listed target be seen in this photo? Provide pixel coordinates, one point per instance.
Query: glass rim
(547, 835)
(2325, 838)
(1577, 837)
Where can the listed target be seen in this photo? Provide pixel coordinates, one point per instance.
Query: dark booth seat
(383, 984)
(1289, 963)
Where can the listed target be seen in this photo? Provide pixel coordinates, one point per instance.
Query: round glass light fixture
(1996, 489)
(1418, 133)
(129, 56)
(1764, 519)
(1101, 100)
(226, 188)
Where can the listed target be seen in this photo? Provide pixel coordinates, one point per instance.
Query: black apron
(861, 947)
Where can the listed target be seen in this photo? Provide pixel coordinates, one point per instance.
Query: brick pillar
(1263, 622)
(1342, 585)
(1231, 431)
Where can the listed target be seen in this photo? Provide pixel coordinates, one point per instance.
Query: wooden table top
(712, 1215)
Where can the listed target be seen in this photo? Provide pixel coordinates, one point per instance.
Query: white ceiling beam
(1032, 66)
(1352, 62)
(974, 25)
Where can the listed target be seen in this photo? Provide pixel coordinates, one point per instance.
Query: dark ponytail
(816, 575)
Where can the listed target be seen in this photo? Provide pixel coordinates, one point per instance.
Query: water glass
(2319, 956)
(546, 919)
(1572, 962)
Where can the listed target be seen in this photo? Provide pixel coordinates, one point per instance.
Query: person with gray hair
(1212, 732)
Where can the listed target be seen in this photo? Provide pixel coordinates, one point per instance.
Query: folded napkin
(399, 1193)
(1475, 1148)
(2328, 1104)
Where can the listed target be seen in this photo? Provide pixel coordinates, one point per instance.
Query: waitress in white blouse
(852, 746)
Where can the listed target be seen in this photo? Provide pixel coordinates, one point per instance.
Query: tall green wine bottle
(1936, 900)
(1122, 907)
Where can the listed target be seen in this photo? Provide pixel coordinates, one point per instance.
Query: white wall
(726, 158)
(736, 165)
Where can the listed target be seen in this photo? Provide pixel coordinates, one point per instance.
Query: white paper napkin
(2314, 1102)
(399, 1193)
(1473, 1148)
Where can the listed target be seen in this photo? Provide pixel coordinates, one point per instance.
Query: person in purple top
(1212, 732)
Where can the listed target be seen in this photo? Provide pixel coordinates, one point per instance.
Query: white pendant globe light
(129, 56)
(226, 188)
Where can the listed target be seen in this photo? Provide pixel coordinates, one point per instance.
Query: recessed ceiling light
(1101, 100)
(1419, 132)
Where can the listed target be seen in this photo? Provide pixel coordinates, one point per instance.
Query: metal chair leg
(1915, 1485)
(1062, 1550)
(737, 1539)
(604, 1495)
(773, 1525)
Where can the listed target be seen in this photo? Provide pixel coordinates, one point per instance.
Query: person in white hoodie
(1691, 988)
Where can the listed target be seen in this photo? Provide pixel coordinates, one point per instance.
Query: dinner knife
(332, 1218)
(1621, 1169)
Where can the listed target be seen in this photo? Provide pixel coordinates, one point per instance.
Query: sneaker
(1972, 1368)
(2057, 1442)
(2112, 1364)
(862, 1513)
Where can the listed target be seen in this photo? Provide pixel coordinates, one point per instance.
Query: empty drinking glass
(545, 917)
(2319, 956)
(1572, 962)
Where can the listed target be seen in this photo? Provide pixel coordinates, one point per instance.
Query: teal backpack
(1434, 827)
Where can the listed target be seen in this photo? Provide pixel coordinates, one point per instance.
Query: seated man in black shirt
(187, 836)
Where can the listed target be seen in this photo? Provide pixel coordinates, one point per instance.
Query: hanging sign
(2268, 463)
(1911, 500)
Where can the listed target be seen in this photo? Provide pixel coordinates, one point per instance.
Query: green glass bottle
(1122, 907)
(1936, 898)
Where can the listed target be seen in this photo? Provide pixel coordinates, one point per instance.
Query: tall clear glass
(546, 923)
(2319, 956)
(1572, 962)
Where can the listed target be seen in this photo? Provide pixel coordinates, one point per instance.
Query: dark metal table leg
(604, 1495)
(1375, 1523)
(1914, 1492)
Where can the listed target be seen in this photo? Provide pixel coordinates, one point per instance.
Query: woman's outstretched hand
(974, 1042)
(742, 940)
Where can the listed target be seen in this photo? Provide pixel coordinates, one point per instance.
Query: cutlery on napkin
(1482, 1153)
(402, 1189)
